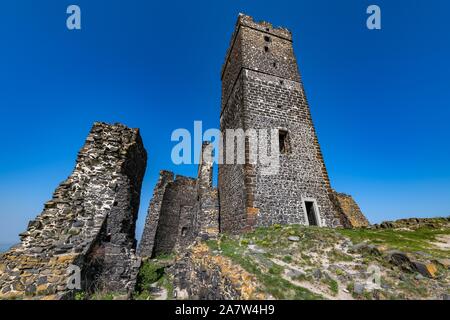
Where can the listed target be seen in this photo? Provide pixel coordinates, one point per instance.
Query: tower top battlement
(263, 26)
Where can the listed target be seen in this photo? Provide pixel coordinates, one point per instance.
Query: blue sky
(380, 100)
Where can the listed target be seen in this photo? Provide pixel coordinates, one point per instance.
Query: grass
(271, 279)
(81, 295)
(332, 285)
(149, 273)
(417, 240)
(102, 296)
(152, 271)
(335, 255)
(166, 282)
(321, 244)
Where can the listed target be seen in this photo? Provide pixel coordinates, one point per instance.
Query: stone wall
(181, 210)
(179, 199)
(89, 223)
(200, 274)
(153, 215)
(207, 220)
(262, 89)
(351, 211)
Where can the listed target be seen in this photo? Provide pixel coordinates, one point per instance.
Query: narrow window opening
(267, 38)
(184, 231)
(267, 29)
(274, 65)
(283, 141)
(311, 213)
(266, 49)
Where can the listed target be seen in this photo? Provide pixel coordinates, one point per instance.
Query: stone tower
(262, 89)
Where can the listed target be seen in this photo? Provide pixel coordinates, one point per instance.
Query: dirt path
(443, 242)
(320, 289)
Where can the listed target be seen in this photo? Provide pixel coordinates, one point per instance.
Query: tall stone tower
(262, 89)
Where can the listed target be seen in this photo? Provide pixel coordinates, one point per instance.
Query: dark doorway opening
(311, 213)
(283, 141)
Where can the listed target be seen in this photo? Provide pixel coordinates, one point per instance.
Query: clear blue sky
(380, 99)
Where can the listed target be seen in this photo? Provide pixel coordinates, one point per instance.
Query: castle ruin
(88, 225)
(90, 221)
(181, 210)
(262, 88)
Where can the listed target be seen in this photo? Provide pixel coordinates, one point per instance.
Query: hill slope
(407, 259)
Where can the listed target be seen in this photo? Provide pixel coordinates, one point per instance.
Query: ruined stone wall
(89, 223)
(181, 210)
(200, 274)
(350, 211)
(261, 88)
(171, 217)
(207, 218)
(153, 215)
(179, 199)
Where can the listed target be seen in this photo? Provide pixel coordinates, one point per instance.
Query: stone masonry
(89, 223)
(181, 210)
(262, 89)
(351, 211)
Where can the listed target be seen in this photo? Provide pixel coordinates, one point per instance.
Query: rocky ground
(406, 259)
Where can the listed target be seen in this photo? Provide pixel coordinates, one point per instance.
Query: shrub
(149, 273)
(81, 295)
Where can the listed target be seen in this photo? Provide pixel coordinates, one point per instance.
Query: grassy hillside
(395, 261)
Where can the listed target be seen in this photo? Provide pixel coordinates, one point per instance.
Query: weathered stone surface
(359, 288)
(351, 215)
(255, 249)
(400, 259)
(147, 242)
(82, 222)
(413, 223)
(262, 89)
(199, 274)
(444, 262)
(426, 269)
(181, 210)
(365, 248)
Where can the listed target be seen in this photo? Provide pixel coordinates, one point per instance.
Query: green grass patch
(332, 285)
(276, 269)
(336, 255)
(102, 296)
(271, 281)
(417, 240)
